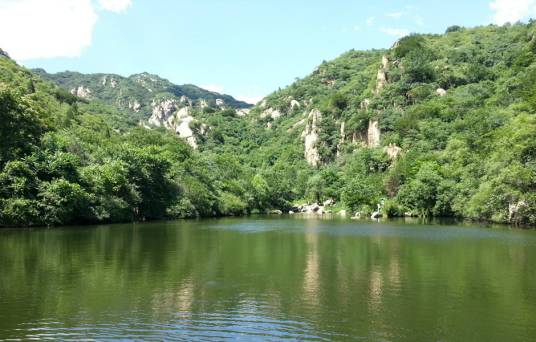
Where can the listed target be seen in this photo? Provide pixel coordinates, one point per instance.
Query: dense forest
(438, 125)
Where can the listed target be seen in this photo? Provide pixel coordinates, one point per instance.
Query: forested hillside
(438, 125)
(63, 162)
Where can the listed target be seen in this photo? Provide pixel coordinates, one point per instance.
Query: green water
(269, 279)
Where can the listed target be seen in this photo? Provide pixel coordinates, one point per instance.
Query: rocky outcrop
(392, 151)
(271, 113)
(203, 104)
(315, 208)
(243, 112)
(163, 111)
(220, 103)
(381, 78)
(342, 139)
(185, 99)
(373, 134)
(168, 114)
(364, 104)
(134, 106)
(297, 124)
(294, 104)
(183, 119)
(145, 80)
(514, 210)
(311, 137)
(441, 92)
(81, 92)
(111, 81)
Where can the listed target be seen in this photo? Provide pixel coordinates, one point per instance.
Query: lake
(269, 278)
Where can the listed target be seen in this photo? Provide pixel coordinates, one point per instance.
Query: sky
(245, 48)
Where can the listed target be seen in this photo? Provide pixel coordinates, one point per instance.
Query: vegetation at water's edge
(470, 153)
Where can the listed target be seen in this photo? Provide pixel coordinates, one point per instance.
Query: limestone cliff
(167, 113)
(311, 138)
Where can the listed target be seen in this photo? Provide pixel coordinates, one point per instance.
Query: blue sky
(243, 48)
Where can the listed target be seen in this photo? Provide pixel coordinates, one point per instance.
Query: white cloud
(512, 10)
(396, 32)
(45, 29)
(395, 15)
(370, 21)
(116, 6)
(216, 88)
(32, 29)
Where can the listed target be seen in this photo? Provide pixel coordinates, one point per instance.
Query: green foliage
(454, 28)
(409, 44)
(470, 153)
(422, 191)
(358, 193)
(20, 125)
(61, 201)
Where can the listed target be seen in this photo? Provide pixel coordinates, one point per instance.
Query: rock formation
(294, 104)
(342, 139)
(166, 113)
(134, 105)
(381, 78)
(272, 113)
(392, 151)
(373, 134)
(82, 92)
(242, 112)
(514, 209)
(311, 137)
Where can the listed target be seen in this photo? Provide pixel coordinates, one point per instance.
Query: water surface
(269, 279)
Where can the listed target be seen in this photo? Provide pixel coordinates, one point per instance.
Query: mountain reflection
(298, 279)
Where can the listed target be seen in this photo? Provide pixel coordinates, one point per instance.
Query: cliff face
(326, 130)
(169, 114)
(311, 138)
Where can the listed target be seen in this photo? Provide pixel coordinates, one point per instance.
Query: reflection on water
(269, 279)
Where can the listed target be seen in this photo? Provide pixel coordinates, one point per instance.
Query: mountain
(438, 125)
(435, 126)
(145, 99)
(136, 92)
(64, 160)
